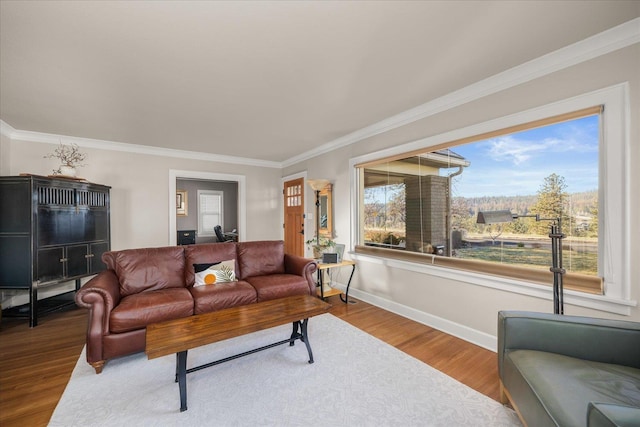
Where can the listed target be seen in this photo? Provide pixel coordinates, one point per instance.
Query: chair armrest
(301, 267)
(599, 340)
(99, 295)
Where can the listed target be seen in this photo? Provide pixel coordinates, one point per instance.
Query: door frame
(284, 179)
(242, 199)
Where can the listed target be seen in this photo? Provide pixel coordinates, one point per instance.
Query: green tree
(593, 225)
(519, 226)
(461, 215)
(550, 203)
(373, 209)
(396, 206)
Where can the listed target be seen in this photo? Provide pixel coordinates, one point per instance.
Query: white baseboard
(473, 336)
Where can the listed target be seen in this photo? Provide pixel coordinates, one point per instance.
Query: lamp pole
(556, 266)
(556, 236)
(318, 217)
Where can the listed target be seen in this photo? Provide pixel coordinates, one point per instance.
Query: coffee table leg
(182, 378)
(305, 337)
(294, 334)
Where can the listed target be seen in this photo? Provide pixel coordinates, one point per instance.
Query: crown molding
(48, 138)
(592, 47)
(6, 129)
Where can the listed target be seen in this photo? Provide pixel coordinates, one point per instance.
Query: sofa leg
(504, 399)
(98, 366)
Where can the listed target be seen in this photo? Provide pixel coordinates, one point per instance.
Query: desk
(322, 267)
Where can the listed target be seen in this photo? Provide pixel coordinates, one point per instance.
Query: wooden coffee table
(180, 335)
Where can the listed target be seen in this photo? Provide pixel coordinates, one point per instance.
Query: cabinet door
(15, 215)
(99, 224)
(54, 226)
(77, 260)
(96, 250)
(15, 261)
(50, 264)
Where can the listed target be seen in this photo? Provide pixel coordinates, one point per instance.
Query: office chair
(220, 235)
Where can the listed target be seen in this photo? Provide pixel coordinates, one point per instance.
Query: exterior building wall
(426, 210)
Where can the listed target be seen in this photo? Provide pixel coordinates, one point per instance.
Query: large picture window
(422, 205)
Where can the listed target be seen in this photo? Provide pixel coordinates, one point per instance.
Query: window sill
(580, 299)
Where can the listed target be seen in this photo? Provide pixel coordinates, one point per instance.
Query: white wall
(139, 192)
(4, 154)
(460, 307)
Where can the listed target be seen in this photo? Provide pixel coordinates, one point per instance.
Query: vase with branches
(70, 158)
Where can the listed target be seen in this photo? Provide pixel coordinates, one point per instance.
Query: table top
(174, 336)
(327, 265)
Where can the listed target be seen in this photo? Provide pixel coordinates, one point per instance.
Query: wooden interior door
(294, 217)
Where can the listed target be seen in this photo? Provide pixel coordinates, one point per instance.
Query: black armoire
(52, 230)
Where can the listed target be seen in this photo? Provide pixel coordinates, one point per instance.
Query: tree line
(384, 208)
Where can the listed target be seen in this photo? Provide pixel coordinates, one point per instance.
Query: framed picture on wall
(181, 202)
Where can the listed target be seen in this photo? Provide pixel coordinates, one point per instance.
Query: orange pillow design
(210, 274)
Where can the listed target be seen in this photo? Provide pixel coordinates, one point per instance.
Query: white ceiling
(262, 80)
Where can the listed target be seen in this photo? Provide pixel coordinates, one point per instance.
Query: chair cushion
(276, 286)
(565, 385)
(139, 310)
(222, 295)
(608, 415)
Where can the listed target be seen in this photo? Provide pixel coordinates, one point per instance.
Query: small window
(210, 208)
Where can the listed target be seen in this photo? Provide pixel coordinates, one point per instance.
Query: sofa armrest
(609, 415)
(301, 267)
(99, 295)
(599, 340)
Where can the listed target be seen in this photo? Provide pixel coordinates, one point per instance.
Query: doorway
(238, 180)
(293, 202)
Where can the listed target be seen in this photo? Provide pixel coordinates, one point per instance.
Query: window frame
(614, 192)
(217, 193)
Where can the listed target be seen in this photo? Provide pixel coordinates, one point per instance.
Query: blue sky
(516, 164)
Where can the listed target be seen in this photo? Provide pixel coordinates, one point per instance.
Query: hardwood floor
(36, 363)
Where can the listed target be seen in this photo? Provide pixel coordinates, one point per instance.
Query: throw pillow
(219, 272)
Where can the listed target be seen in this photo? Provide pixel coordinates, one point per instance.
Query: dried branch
(69, 155)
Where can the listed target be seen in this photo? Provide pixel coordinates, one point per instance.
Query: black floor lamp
(555, 233)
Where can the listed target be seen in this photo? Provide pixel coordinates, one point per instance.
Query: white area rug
(356, 380)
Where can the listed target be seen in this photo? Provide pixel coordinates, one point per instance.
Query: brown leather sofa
(144, 286)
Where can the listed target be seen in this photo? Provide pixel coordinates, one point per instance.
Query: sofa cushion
(222, 295)
(207, 253)
(139, 310)
(260, 258)
(276, 286)
(147, 269)
(562, 386)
